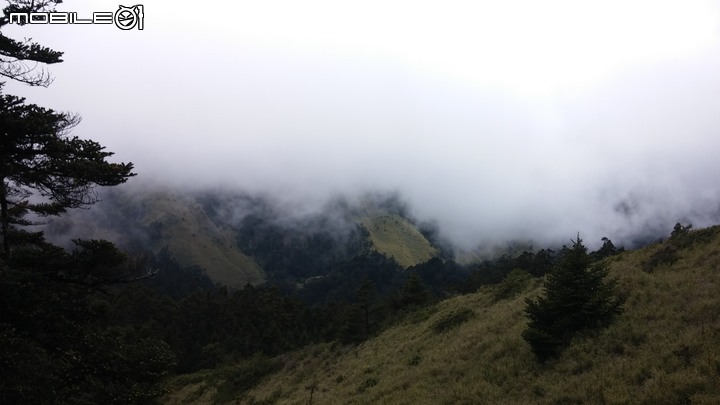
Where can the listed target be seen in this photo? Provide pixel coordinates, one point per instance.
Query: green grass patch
(234, 380)
(514, 283)
(452, 320)
(394, 236)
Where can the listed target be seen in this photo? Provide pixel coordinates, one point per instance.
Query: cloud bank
(498, 122)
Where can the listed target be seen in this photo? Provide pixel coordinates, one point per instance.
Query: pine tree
(414, 292)
(577, 296)
(39, 159)
(57, 343)
(364, 298)
(24, 60)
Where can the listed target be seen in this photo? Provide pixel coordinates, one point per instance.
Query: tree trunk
(4, 218)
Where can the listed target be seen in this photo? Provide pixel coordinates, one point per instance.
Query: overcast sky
(498, 119)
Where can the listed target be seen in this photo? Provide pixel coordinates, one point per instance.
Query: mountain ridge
(469, 349)
(238, 239)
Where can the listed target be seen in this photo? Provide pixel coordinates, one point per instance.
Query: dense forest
(88, 321)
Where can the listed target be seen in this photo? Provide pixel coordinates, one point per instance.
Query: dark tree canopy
(57, 341)
(24, 60)
(43, 170)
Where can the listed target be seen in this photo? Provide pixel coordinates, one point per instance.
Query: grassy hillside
(394, 236)
(239, 239)
(195, 240)
(468, 349)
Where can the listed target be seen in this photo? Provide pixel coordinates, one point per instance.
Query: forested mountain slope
(239, 239)
(662, 349)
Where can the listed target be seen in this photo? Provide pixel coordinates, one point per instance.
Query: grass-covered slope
(662, 350)
(396, 237)
(195, 240)
(240, 239)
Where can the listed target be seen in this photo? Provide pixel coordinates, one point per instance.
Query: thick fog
(499, 120)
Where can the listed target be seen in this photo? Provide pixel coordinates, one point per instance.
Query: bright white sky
(499, 119)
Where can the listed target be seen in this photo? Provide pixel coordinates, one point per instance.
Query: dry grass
(662, 350)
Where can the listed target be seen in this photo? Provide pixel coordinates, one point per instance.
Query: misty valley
(238, 297)
(360, 203)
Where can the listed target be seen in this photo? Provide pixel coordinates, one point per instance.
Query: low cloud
(522, 135)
